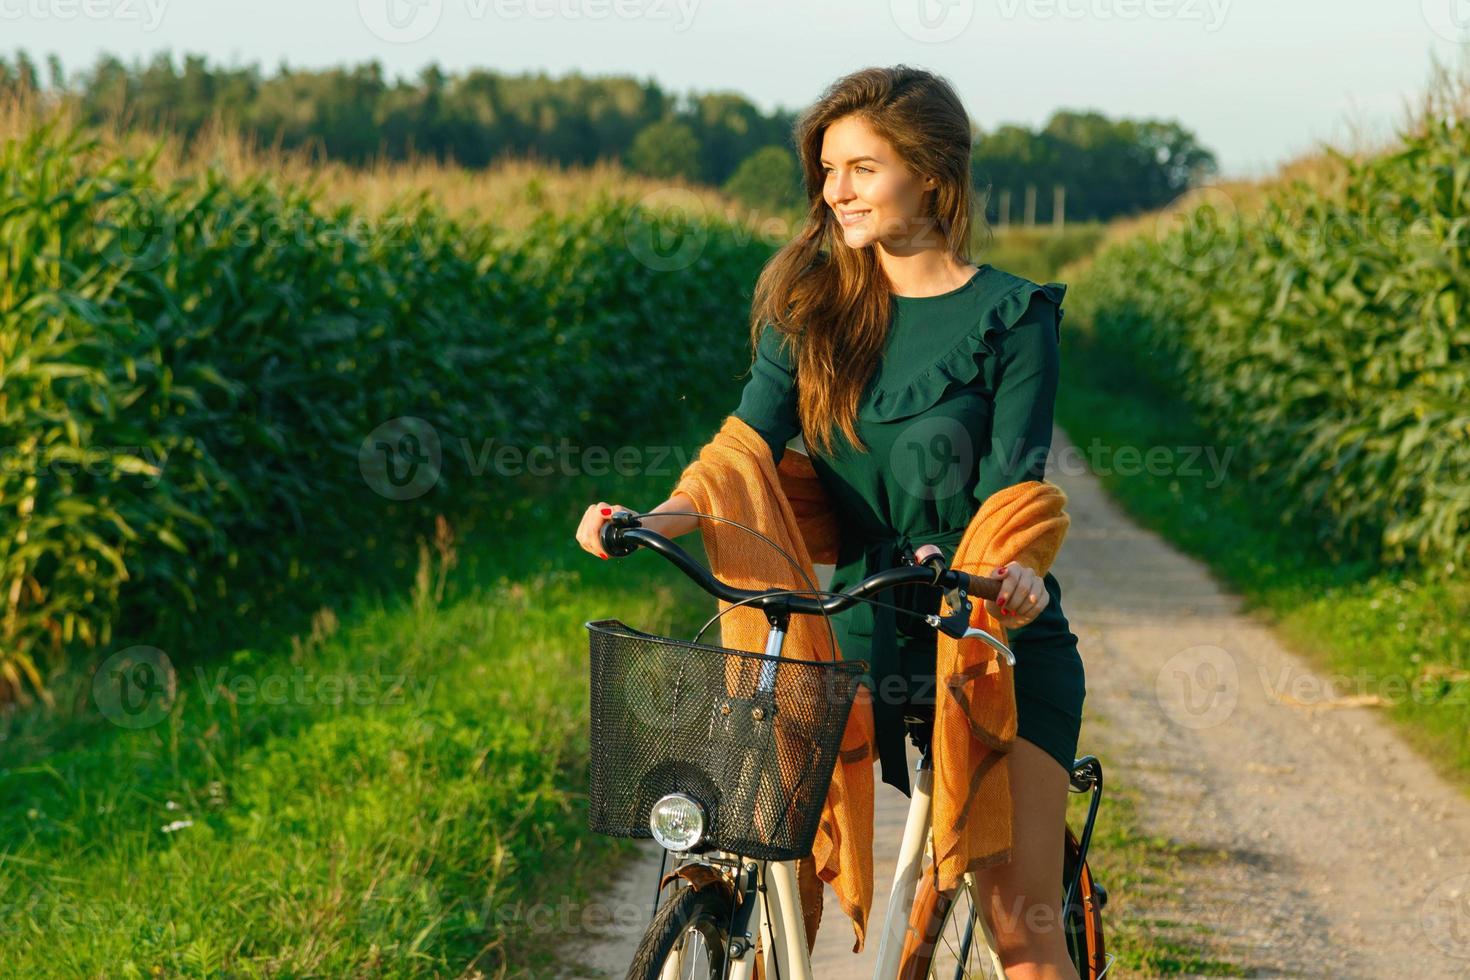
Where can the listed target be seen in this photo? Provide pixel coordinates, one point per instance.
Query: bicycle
(695, 746)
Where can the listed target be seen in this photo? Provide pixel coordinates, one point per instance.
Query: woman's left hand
(1022, 596)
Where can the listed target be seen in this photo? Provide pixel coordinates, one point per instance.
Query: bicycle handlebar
(621, 535)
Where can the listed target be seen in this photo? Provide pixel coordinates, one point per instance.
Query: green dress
(960, 407)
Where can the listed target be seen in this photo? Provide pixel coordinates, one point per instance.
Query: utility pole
(1005, 208)
(1059, 207)
(1030, 205)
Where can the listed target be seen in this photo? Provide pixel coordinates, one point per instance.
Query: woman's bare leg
(1023, 898)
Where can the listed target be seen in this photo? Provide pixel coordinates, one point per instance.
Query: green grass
(1403, 640)
(397, 791)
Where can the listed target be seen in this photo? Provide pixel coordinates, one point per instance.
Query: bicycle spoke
(960, 947)
(687, 953)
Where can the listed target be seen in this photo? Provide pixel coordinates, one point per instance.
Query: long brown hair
(834, 298)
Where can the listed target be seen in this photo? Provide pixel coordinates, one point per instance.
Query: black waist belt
(881, 623)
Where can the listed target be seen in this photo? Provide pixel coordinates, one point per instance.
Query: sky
(1257, 81)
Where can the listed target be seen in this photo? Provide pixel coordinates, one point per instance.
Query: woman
(927, 383)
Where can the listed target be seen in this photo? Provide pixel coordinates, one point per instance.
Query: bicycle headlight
(677, 822)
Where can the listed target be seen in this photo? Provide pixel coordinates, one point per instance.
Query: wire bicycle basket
(753, 738)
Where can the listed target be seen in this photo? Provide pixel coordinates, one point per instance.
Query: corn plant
(189, 370)
(1326, 335)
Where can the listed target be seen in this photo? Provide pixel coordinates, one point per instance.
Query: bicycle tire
(1084, 925)
(703, 911)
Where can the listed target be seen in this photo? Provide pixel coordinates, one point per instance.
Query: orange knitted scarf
(974, 727)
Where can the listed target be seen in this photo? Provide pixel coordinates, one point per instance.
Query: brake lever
(957, 623)
(957, 626)
(979, 634)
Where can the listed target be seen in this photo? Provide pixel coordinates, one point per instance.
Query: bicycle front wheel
(687, 939)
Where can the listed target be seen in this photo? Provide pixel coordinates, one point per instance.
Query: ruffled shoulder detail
(998, 307)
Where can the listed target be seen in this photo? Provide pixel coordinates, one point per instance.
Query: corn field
(1326, 335)
(190, 367)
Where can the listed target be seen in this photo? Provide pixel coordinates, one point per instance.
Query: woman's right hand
(589, 532)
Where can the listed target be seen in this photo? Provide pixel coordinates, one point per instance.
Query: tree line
(358, 114)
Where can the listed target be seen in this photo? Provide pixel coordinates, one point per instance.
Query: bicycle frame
(777, 897)
(768, 892)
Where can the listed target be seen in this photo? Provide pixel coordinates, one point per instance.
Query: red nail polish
(606, 511)
(602, 556)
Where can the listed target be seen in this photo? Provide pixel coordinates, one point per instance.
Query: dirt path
(1345, 854)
